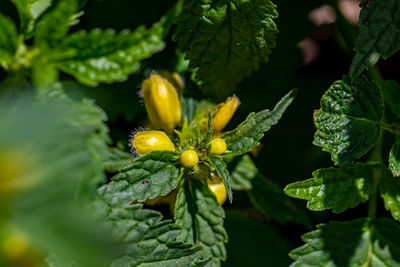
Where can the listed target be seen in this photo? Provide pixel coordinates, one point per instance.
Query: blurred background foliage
(314, 48)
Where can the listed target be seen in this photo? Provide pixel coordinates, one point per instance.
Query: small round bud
(149, 141)
(218, 146)
(189, 158)
(218, 188)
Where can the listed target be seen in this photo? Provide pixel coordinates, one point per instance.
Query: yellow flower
(224, 113)
(218, 188)
(162, 103)
(189, 158)
(148, 141)
(218, 146)
(175, 79)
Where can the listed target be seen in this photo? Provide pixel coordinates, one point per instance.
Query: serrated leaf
(336, 188)
(201, 218)
(269, 198)
(389, 188)
(107, 56)
(148, 240)
(379, 34)
(225, 40)
(357, 243)
(248, 134)
(221, 169)
(55, 24)
(8, 39)
(394, 159)
(391, 93)
(243, 173)
(348, 121)
(29, 12)
(148, 177)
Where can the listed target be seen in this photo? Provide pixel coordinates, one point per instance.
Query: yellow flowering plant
(181, 159)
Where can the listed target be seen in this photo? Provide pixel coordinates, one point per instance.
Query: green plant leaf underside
(336, 188)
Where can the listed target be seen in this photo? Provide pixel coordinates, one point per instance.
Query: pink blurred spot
(322, 15)
(350, 10)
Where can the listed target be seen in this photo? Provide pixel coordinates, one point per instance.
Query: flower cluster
(170, 131)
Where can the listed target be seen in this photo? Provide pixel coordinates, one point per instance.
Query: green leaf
(348, 121)
(107, 57)
(29, 12)
(221, 169)
(188, 108)
(243, 173)
(117, 159)
(391, 93)
(225, 40)
(394, 159)
(8, 39)
(389, 187)
(379, 34)
(268, 197)
(55, 24)
(53, 165)
(201, 218)
(148, 177)
(54, 260)
(336, 188)
(148, 240)
(248, 134)
(357, 243)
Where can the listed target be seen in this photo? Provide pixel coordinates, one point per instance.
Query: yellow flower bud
(189, 158)
(148, 141)
(218, 188)
(224, 113)
(162, 103)
(175, 79)
(218, 146)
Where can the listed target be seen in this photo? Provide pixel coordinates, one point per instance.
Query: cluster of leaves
(350, 124)
(65, 154)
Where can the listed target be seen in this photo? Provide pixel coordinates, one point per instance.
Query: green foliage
(55, 24)
(72, 195)
(243, 173)
(348, 121)
(389, 189)
(248, 134)
(225, 40)
(391, 92)
(221, 170)
(147, 239)
(379, 34)
(268, 197)
(148, 177)
(106, 57)
(336, 188)
(8, 39)
(29, 12)
(394, 159)
(201, 218)
(362, 242)
(41, 174)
